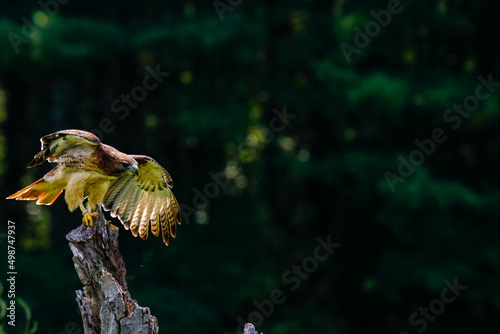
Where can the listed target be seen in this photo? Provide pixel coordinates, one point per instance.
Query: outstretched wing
(144, 200)
(62, 142)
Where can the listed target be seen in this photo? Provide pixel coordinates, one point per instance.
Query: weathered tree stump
(249, 329)
(105, 303)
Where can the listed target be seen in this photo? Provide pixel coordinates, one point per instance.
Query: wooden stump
(105, 303)
(249, 329)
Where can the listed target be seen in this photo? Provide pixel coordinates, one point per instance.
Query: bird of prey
(135, 188)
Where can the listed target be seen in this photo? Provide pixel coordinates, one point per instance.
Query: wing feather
(145, 202)
(176, 213)
(163, 224)
(124, 191)
(129, 209)
(61, 143)
(144, 224)
(154, 217)
(170, 219)
(137, 214)
(125, 204)
(113, 192)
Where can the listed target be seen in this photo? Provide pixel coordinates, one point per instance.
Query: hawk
(135, 188)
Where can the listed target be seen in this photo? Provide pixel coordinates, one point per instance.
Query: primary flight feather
(135, 188)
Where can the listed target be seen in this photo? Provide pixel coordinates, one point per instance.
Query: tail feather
(44, 192)
(50, 197)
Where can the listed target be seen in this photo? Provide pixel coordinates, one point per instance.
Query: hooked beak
(135, 169)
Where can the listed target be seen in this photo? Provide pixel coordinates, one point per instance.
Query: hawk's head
(128, 166)
(116, 162)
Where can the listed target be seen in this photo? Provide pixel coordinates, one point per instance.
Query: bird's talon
(87, 217)
(111, 225)
(108, 224)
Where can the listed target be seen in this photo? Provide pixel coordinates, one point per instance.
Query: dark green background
(322, 174)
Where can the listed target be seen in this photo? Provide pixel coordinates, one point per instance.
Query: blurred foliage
(321, 172)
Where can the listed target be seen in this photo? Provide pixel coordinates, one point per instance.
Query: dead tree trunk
(249, 329)
(105, 303)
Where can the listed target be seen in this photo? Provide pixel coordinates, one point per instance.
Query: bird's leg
(87, 216)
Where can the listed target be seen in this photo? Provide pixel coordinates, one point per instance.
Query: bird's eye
(125, 165)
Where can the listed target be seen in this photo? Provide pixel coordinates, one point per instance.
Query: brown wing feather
(129, 209)
(58, 143)
(155, 228)
(164, 227)
(114, 190)
(145, 202)
(176, 213)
